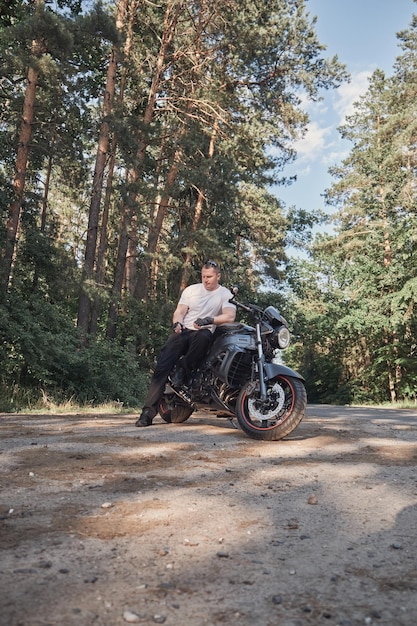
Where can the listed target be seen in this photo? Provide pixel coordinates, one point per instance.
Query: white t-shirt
(204, 303)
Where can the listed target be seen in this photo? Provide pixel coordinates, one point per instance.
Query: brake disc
(269, 409)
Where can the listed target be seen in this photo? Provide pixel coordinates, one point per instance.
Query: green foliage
(227, 107)
(11, 12)
(42, 353)
(105, 371)
(363, 277)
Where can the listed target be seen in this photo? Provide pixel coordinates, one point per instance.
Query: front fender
(272, 370)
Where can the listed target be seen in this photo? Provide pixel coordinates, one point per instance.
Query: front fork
(260, 361)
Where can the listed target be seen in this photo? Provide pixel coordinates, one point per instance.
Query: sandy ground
(195, 524)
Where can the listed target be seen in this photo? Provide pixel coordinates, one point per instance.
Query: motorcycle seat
(232, 328)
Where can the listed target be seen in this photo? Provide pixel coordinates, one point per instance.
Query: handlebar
(249, 308)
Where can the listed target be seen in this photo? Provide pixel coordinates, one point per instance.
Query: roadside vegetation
(139, 139)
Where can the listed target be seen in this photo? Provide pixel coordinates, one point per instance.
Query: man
(201, 308)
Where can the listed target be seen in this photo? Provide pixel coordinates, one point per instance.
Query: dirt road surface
(195, 524)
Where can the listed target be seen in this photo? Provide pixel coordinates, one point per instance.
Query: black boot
(177, 378)
(144, 419)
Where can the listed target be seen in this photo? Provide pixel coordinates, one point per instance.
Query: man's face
(210, 278)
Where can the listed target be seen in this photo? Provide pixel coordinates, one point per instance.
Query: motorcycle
(240, 380)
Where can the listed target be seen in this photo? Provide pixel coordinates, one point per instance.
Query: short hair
(208, 264)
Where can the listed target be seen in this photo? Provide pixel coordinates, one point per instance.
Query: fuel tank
(232, 352)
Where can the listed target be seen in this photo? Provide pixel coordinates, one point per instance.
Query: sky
(363, 35)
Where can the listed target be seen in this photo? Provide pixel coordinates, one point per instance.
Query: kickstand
(233, 423)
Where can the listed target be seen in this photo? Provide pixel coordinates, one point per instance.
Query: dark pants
(192, 346)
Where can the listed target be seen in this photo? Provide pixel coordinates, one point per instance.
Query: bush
(105, 371)
(41, 353)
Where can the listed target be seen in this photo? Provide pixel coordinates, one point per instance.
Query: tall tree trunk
(147, 280)
(119, 271)
(46, 194)
(197, 216)
(47, 185)
(390, 337)
(132, 264)
(172, 14)
(132, 246)
(102, 246)
(13, 221)
(147, 275)
(84, 302)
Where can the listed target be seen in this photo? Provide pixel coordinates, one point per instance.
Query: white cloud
(306, 171)
(313, 143)
(322, 141)
(335, 156)
(348, 93)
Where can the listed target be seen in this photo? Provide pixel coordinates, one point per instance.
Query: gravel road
(195, 524)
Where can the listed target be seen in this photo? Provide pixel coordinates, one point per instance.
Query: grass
(46, 404)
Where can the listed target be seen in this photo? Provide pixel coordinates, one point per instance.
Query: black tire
(174, 413)
(279, 415)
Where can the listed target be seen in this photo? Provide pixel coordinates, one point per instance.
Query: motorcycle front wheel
(276, 416)
(174, 413)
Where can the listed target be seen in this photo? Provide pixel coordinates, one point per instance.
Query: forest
(140, 138)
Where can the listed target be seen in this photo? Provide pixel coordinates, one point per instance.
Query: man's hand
(177, 327)
(204, 321)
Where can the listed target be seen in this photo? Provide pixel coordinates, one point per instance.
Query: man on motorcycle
(201, 308)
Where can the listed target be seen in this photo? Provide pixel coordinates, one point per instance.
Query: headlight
(283, 337)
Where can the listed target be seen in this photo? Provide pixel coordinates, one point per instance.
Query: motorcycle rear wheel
(279, 415)
(173, 413)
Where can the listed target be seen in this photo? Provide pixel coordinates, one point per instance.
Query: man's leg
(200, 342)
(170, 352)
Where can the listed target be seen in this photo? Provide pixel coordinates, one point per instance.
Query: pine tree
(98, 178)
(229, 67)
(373, 251)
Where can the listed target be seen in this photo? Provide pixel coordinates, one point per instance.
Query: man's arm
(227, 316)
(178, 317)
